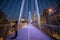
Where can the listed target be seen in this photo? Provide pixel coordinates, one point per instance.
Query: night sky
(12, 7)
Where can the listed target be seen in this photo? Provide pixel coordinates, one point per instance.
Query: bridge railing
(5, 30)
(52, 30)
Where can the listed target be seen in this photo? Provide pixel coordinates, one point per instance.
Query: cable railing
(55, 2)
(8, 6)
(49, 3)
(3, 3)
(13, 8)
(17, 8)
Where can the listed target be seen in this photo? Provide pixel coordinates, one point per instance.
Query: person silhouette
(15, 29)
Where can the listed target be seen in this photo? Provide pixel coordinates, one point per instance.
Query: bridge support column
(21, 11)
(38, 15)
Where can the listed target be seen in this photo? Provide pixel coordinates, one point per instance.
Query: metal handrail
(50, 25)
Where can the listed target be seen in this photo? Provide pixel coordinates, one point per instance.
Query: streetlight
(50, 10)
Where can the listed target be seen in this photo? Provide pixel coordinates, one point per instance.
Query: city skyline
(12, 7)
